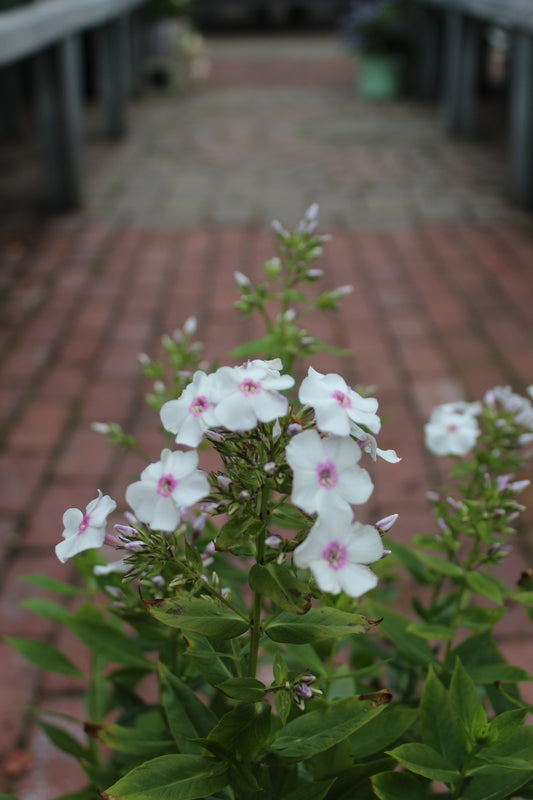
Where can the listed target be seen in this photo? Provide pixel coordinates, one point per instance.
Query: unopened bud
(341, 291)
(314, 274)
(294, 428)
(244, 495)
(144, 359)
(519, 486)
(241, 280)
(386, 523)
(270, 467)
(101, 427)
(189, 328)
(224, 482)
(215, 436)
(199, 522)
(274, 542)
(158, 580)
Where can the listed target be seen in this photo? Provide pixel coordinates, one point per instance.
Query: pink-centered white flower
(337, 406)
(165, 487)
(250, 394)
(337, 552)
(452, 429)
(326, 475)
(85, 531)
(368, 444)
(193, 413)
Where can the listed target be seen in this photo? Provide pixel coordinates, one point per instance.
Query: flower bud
(101, 427)
(270, 467)
(189, 328)
(244, 495)
(384, 525)
(144, 359)
(294, 428)
(274, 542)
(224, 482)
(314, 274)
(241, 280)
(158, 580)
(273, 267)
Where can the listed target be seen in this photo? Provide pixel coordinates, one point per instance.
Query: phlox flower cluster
(453, 428)
(327, 479)
(326, 444)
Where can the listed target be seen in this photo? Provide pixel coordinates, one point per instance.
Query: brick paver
(422, 227)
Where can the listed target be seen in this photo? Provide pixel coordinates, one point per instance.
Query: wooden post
(462, 43)
(113, 74)
(521, 122)
(57, 76)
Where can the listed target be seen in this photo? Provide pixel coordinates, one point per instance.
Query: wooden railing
(47, 37)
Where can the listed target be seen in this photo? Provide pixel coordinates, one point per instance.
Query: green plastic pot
(380, 76)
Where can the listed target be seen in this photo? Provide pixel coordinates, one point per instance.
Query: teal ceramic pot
(380, 77)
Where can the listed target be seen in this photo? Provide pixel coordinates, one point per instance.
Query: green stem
(255, 622)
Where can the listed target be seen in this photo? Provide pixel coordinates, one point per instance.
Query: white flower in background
(251, 394)
(190, 416)
(85, 531)
(337, 406)
(452, 429)
(325, 473)
(337, 551)
(165, 487)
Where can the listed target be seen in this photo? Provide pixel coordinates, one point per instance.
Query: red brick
(19, 477)
(87, 456)
(39, 427)
(16, 692)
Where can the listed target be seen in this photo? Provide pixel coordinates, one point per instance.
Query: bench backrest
(513, 14)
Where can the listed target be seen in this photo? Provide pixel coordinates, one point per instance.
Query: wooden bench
(450, 40)
(47, 38)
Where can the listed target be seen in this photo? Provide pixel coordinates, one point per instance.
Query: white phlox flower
(337, 406)
(337, 551)
(193, 413)
(450, 431)
(85, 531)
(165, 487)
(368, 444)
(326, 475)
(250, 394)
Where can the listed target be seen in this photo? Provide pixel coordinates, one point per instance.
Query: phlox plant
(266, 610)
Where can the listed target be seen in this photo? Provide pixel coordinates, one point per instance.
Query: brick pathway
(442, 307)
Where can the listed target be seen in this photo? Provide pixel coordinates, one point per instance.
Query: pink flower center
(452, 428)
(84, 524)
(166, 485)
(327, 475)
(199, 406)
(336, 556)
(342, 399)
(249, 386)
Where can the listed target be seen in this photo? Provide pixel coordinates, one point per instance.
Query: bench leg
(430, 53)
(113, 55)
(462, 47)
(57, 77)
(521, 119)
(11, 102)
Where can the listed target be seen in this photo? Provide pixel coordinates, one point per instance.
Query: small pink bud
(386, 523)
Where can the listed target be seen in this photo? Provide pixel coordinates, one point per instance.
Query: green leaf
(279, 585)
(4, 796)
(289, 517)
(330, 763)
(256, 347)
(237, 530)
(48, 609)
(171, 777)
(502, 673)
(63, 740)
(439, 730)
(52, 585)
(398, 786)
(440, 633)
(187, 716)
(425, 761)
(213, 658)
(280, 669)
(353, 778)
(464, 702)
(382, 731)
(283, 704)
(149, 737)
(440, 565)
(394, 626)
(198, 616)
(109, 643)
(485, 585)
(480, 616)
(310, 791)
(44, 656)
(243, 730)
(319, 730)
(506, 724)
(495, 783)
(409, 558)
(316, 625)
(243, 689)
